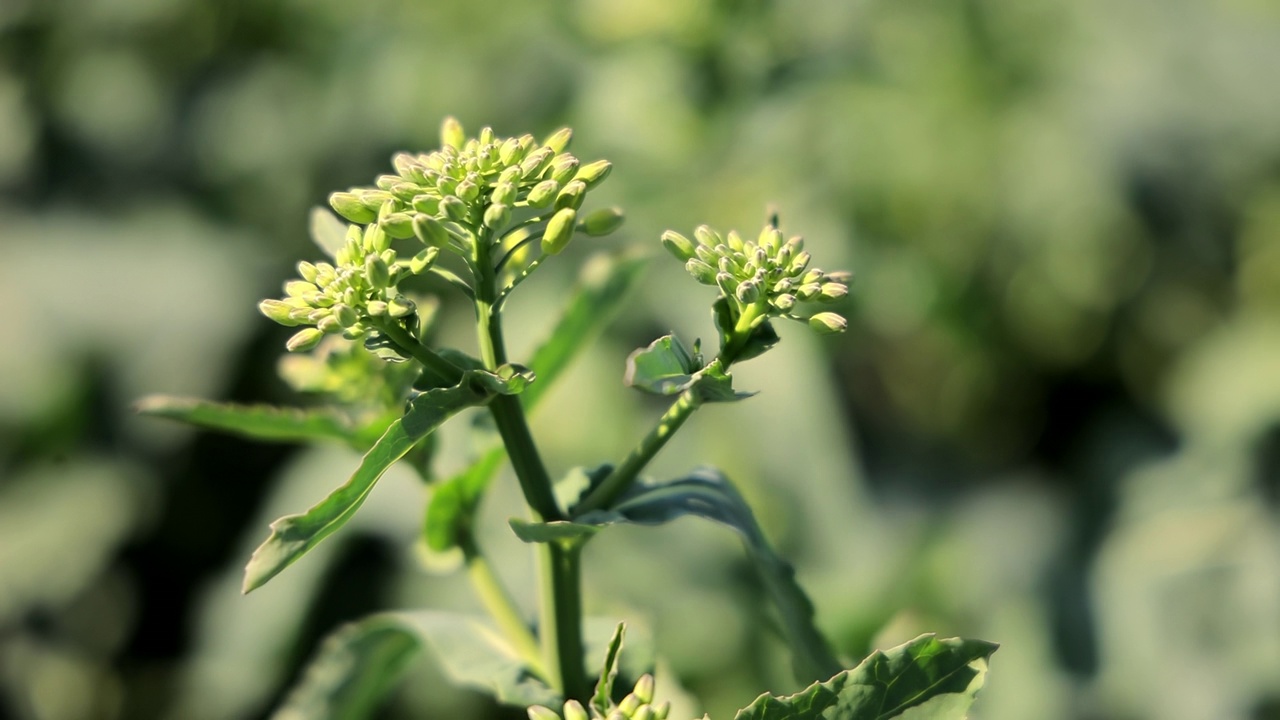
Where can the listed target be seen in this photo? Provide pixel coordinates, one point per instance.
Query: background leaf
(930, 678)
(293, 535)
(263, 422)
(327, 231)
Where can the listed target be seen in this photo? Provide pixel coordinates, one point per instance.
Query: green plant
(482, 215)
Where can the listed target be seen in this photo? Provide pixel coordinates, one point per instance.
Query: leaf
(359, 663)
(263, 422)
(762, 338)
(665, 367)
(706, 493)
(327, 231)
(557, 531)
(293, 535)
(925, 679)
(602, 286)
(603, 696)
(712, 385)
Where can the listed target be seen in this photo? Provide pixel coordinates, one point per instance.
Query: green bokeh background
(1054, 422)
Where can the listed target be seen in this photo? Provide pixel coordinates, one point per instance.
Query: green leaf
(327, 231)
(293, 535)
(665, 367)
(603, 696)
(925, 679)
(602, 287)
(706, 493)
(263, 422)
(714, 385)
(557, 531)
(358, 664)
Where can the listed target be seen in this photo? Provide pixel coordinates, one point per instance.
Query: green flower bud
(833, 291)
(644, 712)
(454, 208)
(375, 239)
(376, 308)
(601, 222)
(423, 260)
(707, 255)
(496, 216)
(828, 323)
(349, 206)
(662, 709)
(770, 239)
(747, 292)
(559, 231)
(325, 275)
(808, 291)
(451, 133)
(594, 173)
(573, 710)
(726, 283)
(678, 245)
(298, 288)
(398, 225)
(400, 306)
(785, 302)
(407, 166)
(329, 325)
(504, 193)
(304, 340)
(486, 135)
(629, 704)
(317, 300)
(617, 715)
(374, 199)
(279, 311)
(446, 185)
(536, 162)
(427, 204)
(468, 190)
(644, 688)
(430, 231)
(559, 140)
(377, 272)
(706, 236)
(572, 195)
(701, 271)
(734, 241)
(346, 315)
(799, 263)
(538, 712)
(510, 152)
(563, 167)
(509, 176)
(813, 276)
(543, 193)
(308, 271)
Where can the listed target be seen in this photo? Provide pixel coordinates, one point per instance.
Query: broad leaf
(263, 422)
(360, 662)
(665, 367)
(925, 679)
(558, 531)
(293, 535)
(602, 286)
(708, 494)
(327, 231)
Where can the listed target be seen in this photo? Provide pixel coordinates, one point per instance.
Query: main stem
(560, 624)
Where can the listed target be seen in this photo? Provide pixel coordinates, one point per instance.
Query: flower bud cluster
(637, 705)
(350, 296)
(769, 277)
(478, 183)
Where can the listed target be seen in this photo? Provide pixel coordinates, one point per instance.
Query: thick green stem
(560, 625)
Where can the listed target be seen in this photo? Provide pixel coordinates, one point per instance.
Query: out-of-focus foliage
(1059, 398)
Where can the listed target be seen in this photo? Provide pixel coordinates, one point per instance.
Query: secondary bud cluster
(769, 277)
(637, 705)
(479, 184)
(351, 295)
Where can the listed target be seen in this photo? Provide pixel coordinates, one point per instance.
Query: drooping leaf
(293, 535)
(601, 699)
(665, 367)
(358, 664)
(708, 494)
(262, 422)
(712, 385)
(603, 285)
(925, 679)
(327, 231)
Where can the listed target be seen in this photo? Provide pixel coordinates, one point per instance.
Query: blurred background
(1054, 422)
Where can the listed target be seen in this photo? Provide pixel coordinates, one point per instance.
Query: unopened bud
(573, 710)
(785, 302)
(423, 260)
(833, 291)
(828, 323)
(726, 283)
(407, 166)
(430, 231)
(304, 340)
(644, 712)
(496, 216)
(454, 208)
(563, 168)
(299, 288)
(559, 140)
(559, 231)
(602, 222)
(734, 241)
(770, 239)
(594, 173)
(468, 190)
(510, 151)
(503, 192)
(543, 193)
(398, 225)
(451, 133)
(329, 325)
(535, 162)
(678, 245)
(644, 688)
(377, 272)
(400, 306)
(571, 196)
(706, 236)
(799, 262)
(538, 712)
(661, 710)
(808, 291)
(428, 204)
(374, 199)
(701, 271)
(346, 315)
(629, 704)
(747, 292)
(349, 206)
(279, 311)
(376, 308)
